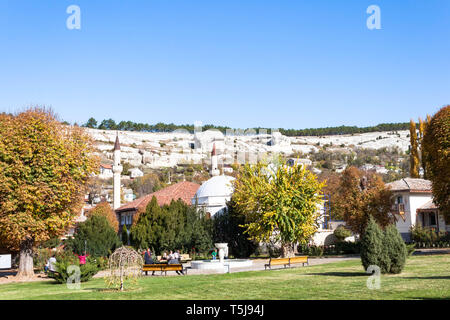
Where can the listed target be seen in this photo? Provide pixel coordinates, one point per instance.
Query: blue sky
(247, 63)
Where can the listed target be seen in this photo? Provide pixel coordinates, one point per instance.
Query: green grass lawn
(424, 277)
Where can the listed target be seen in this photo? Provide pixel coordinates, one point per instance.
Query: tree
(396, 249)
(125, 239)
(103, 209)
(371, 244)
(228, 227)
(91, 123)
(171, 227)
(44, 167)
(436, 143)
(360, 195)
(279, 204)
(96, 236)
(414, 154)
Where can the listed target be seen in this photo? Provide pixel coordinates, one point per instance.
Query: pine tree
(396, 249)
(372, 244)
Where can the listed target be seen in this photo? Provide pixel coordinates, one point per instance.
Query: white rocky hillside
(156, 150)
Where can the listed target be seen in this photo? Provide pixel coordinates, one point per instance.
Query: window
(399, 199)
(432, 219)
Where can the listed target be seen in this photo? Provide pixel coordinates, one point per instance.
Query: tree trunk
(287, 250)
(26, 267)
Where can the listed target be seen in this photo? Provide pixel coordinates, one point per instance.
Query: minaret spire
(117, 170)
(214, 167)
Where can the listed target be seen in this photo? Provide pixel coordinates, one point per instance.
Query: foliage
(103, 209)
(87, 271)
(371, 244)
(124, 264)
(361, 195)
(51, 243)
(436, 145)
(44, 166)
(172, 227)
(341, 232)
(428, 235)
(343, 247)
(228, 228)
(396, 249)
(279, 204)
(414, 154)
(110, 124)
(125, 238)
(146, 184)
(100, 237)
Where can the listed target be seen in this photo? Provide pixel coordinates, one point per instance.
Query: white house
(136, 172)
(106, 171)
(414, 206)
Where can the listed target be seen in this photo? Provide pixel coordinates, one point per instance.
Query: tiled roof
(183, 190)
(411, 184)
(428, 206)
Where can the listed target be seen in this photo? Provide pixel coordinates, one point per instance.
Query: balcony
(399, 209)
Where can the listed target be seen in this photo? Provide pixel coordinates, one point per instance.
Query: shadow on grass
(431, 298)
(340, 274)
(429, 278)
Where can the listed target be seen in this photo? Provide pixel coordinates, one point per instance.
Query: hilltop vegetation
(110, 124)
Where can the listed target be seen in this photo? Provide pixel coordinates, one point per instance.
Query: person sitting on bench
(148, 258)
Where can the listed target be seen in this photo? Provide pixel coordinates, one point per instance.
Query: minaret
(117, 170)
(214, 168)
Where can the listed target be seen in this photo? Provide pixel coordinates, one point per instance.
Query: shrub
(341, 233)
(410, 248)
(87, 271)
(396, 249)
(371, 244)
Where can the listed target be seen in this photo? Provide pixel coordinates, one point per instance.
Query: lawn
(424, 277)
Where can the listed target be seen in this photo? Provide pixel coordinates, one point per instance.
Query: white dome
(218, 186)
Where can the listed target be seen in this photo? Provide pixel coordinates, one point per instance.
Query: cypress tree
(396, 249)
(125, 235)
(414, 155)
(371, 244)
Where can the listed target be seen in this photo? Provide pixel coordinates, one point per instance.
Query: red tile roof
(182, 190)
(106, 166)
(411, 185)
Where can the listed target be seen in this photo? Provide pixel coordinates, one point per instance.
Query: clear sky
(247, 63)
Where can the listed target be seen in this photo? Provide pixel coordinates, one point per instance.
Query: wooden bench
(286, 261)
(163, 267)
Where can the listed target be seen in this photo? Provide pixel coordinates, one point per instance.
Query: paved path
(258, 265)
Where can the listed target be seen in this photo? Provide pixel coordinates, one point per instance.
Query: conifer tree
(125, 235)
(396, 249)
(414, 154)
(371, 244)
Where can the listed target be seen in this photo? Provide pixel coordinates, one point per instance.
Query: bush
(410, 248)
(396, 249)
(372, 245)
(341, 233)
(87, 271)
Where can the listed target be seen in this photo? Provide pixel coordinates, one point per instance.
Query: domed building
(213, 194)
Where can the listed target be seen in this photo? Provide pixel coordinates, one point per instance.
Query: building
(414, 206)
(184, 190)
(135, 173)
(106, 171)
(213, 195)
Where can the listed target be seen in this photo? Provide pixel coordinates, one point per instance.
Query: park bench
(286, 261)
(163, 267)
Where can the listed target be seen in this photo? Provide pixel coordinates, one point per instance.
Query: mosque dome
(214, 193)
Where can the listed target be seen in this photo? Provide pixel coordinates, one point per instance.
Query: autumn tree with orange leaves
(362, 194)
(103, 209)
(44, 167)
